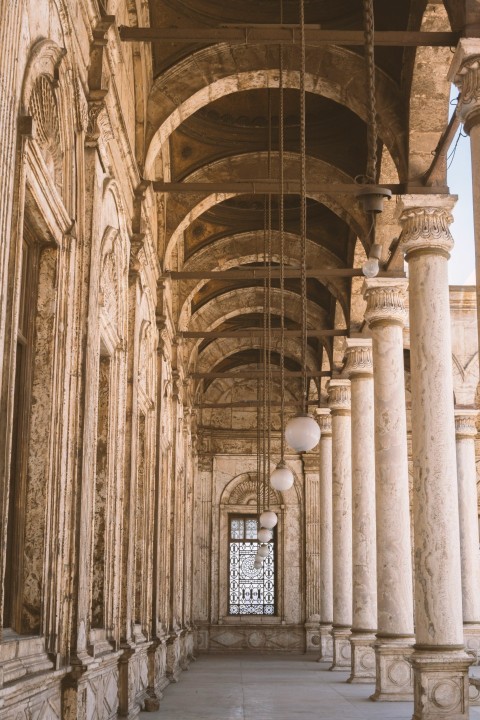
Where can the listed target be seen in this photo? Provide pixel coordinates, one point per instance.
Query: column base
(363, 657)
(312, 634)
(474, 691)
(441, 683)
(342, 654)
(326, 643)
(471, 638)
(394, 676)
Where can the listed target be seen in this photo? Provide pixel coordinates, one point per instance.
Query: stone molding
(466, 423)
(465, 74)
(339, 395)
(385, 301)
(427, 229)
(358, 357)
(324, 419)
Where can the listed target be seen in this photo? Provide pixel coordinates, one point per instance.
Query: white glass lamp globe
(257, 564)
(282, 478)
(302, 433)
(371, 267)
(264, 535)
(262, 551)
(268, 519)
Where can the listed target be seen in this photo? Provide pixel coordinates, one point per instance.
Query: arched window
(250, 591)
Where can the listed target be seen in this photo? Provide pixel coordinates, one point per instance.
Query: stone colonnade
(408, 632)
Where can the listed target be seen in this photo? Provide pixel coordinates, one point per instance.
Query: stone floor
(271, 687)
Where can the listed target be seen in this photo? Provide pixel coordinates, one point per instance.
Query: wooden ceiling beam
(256, 333)
(252, 403)
(264, 186)
(274, 274)
(257, 374)
(286, 35)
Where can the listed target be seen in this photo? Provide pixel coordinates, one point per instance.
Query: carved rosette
(466, 424)
(426, 228)
(324, 419)
(385, 303)
(339, 398)
(358, 360)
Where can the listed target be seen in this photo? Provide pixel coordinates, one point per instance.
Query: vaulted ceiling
(213, 116)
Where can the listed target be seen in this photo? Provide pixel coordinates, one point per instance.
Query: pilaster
(326, 532)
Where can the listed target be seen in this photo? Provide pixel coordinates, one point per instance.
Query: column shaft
(326, 530)
(440, 663)
(364, 620)
(465, 433)
(339, 403)
(386, 316)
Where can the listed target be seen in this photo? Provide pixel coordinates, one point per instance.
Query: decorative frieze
(385, 301)
(426, 228)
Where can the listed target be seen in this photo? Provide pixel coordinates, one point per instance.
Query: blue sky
(462, 261)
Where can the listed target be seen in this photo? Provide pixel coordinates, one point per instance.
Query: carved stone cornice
(385, 301)
(339, 396)
(324, 419)
(426, 229)
(358, 357)
(466, 423)
(311, 464)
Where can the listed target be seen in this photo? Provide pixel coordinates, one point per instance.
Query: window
(251, 591)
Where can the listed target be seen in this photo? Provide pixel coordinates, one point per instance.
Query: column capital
(339, 396)
(465, 74)
(324, 419)
(466, 422)
(358, 357)
(385, 301)
(311, 464)
(426, 224)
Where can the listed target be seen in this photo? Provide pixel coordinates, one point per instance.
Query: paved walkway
(271, 687)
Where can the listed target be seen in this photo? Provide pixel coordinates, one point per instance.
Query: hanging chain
(372, 133)
(259, 456)
(303, 205)
(281, 219)
(270, 296)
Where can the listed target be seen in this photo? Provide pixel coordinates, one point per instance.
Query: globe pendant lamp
(282, 478)
(268, 519)
(257, 564)
(262, 551)
(302, 432)
(264, 535)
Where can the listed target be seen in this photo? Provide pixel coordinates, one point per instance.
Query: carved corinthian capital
(324, 419)
(339, 396)
(465, 73)
(466, 423)
(358, 357)
(427, 229)
(385, 301)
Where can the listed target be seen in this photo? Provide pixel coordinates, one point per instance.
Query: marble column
(440, 663)
(465, 73)
(312, 550)
(339, 404)
(465, 433)
(386, 316)
(359, 368)
(326, 529)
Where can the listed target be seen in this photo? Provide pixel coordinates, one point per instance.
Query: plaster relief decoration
(46, 128)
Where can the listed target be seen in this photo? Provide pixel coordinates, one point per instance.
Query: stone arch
(242, 490)
(170, 103)
(189, 207)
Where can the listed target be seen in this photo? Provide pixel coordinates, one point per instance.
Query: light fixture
(264, 535)
(268, 519)
(371, 267)
(257, 564)
(282, 478)
(263, 551)
(302, 432)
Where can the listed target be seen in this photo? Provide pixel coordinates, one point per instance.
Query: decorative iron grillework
(251, 591)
